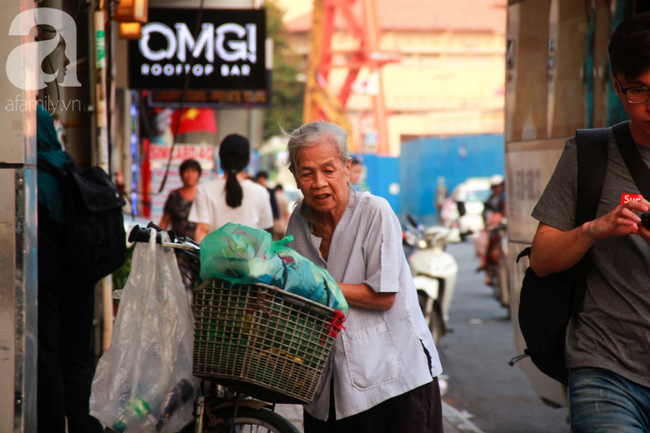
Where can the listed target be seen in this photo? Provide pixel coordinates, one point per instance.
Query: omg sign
(225, 52)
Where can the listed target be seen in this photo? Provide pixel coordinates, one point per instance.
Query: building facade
(448, 81)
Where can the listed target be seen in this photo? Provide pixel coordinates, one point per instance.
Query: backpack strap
(69, 166)
(49, 168)
(592, 164)
(525, 253)
(635, 164)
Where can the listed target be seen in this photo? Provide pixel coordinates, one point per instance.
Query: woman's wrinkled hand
(622, 220)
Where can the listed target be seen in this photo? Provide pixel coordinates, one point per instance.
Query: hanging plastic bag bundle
(246, 255)
(144, 382)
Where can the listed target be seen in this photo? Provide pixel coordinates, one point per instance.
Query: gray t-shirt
(613, 332)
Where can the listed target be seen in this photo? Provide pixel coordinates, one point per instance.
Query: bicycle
(255, 346)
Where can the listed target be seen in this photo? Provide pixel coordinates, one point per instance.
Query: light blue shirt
(380, 354)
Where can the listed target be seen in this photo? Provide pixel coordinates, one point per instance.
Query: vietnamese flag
(195, 120)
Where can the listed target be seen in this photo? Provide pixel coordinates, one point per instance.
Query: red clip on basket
(265, 342)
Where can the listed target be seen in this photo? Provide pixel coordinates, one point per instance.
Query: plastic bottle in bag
(133, 412)
(151, 350)
(178, 395)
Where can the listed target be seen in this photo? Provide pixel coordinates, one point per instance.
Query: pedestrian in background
(440, 198)
(179, 201)
(381, 375)
(355, 173)
(232, 198)
(262, 177)
(607, 347)
(494, 210)
(283, 210)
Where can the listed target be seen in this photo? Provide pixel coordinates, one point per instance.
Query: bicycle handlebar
(185, 248)
(141, 234)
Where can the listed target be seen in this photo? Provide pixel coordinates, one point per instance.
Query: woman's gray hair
(312, 134)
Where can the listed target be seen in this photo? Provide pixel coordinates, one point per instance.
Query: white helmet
(496, 179)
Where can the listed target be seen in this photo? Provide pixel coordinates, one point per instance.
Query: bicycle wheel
(251, 421)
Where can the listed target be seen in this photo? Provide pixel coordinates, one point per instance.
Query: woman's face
(57, 62)
(323, 178)
(190, 177)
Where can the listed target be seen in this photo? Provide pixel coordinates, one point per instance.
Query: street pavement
(475, 359)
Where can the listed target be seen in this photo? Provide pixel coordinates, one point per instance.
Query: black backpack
(547, 304)
(94, 225)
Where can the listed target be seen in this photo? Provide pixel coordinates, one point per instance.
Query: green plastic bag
(239, 254)
(305, 279)
(246, 255)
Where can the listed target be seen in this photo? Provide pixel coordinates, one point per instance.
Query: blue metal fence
(382, 177)
(455, 158)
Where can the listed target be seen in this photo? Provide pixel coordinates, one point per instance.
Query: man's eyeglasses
(635, 95)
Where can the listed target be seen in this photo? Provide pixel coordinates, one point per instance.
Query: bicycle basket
(260, 340)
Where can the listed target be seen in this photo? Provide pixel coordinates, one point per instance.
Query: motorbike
(434, 272)
(496, 266)
(502, 288)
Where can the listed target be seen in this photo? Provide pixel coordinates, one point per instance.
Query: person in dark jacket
(66, 361)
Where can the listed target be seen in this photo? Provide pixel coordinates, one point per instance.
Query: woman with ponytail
(232, 198)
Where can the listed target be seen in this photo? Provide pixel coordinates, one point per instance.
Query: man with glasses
(608, 344)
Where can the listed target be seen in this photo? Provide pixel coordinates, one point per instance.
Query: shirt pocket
(371, 356)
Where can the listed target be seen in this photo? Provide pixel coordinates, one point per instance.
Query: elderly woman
(381, 374)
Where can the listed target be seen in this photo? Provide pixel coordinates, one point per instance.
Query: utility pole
(100, 153)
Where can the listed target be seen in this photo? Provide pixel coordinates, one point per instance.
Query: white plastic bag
(144, 381)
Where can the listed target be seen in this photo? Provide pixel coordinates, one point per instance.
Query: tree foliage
(287, 93)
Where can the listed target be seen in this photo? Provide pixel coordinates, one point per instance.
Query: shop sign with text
(226, 53)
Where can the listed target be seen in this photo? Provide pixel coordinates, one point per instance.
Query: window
(482, 61)
(430, 60)
(457, 61)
